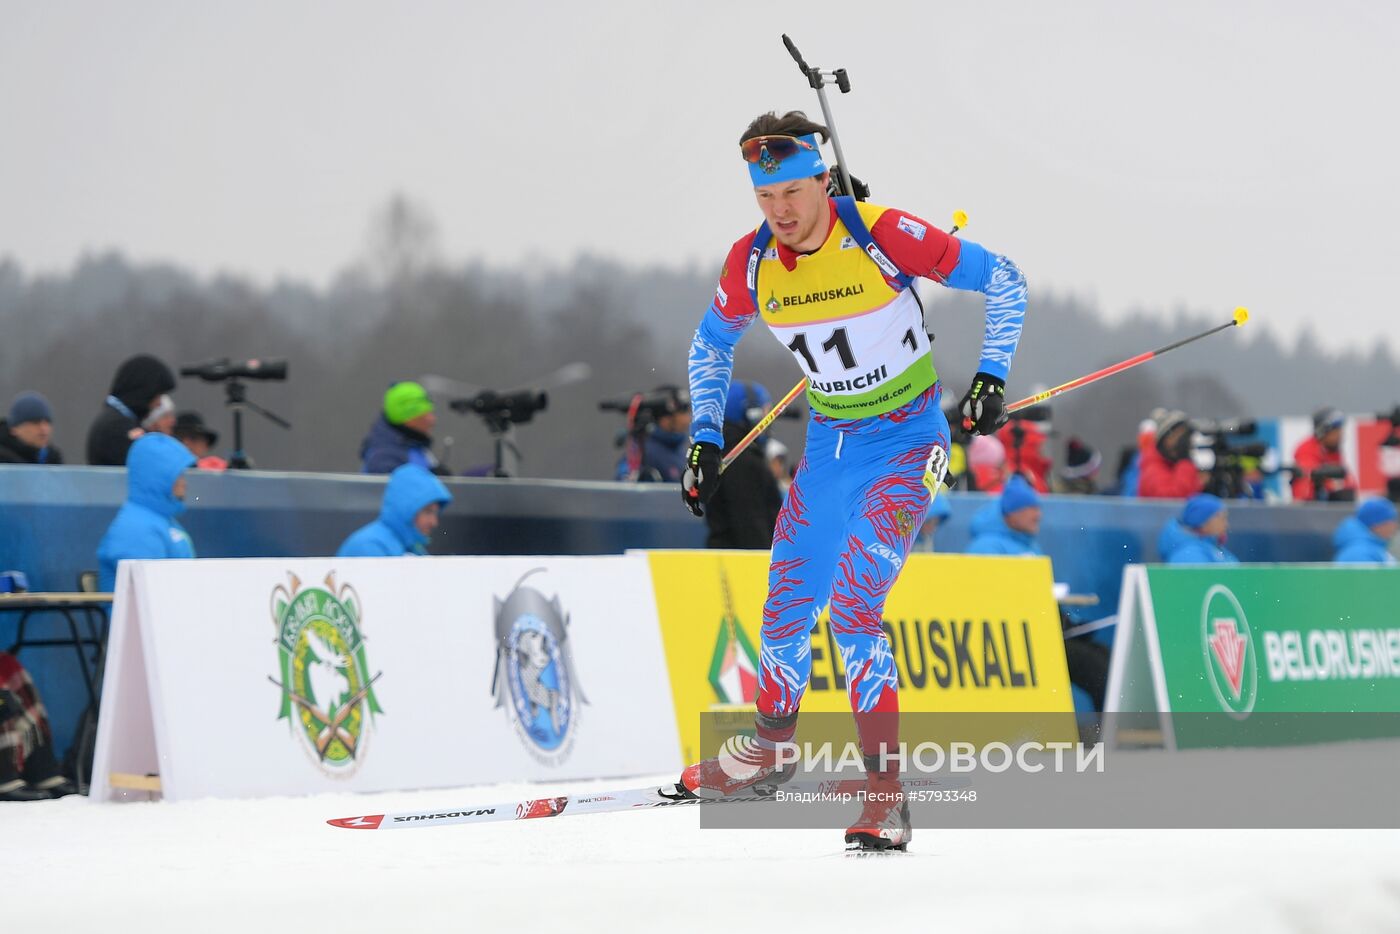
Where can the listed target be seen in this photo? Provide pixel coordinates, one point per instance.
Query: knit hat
(1017, 494)
(1375, 511)
(1199, 509)
(1167, 421)
(1081, 460)
(1326, 419)
(746, 402)
(406, 401)
(30, 407)
(985, 451)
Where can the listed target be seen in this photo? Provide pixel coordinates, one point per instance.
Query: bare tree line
(399, 312)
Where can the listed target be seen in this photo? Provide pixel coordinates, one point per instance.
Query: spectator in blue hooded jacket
(1198, 535)
(1363, 538)
(939, 512)
(1009, 525)
(413, 504)
(145, 527)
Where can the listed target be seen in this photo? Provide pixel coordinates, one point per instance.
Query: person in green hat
(403, 433)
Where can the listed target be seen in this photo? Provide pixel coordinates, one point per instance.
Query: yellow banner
(969, 634)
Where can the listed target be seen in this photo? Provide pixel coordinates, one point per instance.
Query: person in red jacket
(986, 464)
(1323, 451)
(1167, 471)
(1024, 441)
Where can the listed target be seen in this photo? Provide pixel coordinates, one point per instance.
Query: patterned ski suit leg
(855, 507)
(806, 539)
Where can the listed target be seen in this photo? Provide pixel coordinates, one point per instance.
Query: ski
(597, 802)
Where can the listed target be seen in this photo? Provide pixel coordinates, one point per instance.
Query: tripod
(502, 429)
(236, 398)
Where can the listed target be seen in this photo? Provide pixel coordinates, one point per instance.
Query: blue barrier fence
(52, 518)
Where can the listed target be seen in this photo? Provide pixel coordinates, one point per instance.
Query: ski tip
(1241, 316)
(367, 822)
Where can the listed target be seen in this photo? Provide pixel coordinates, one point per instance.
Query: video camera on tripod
(645, 412)
(1228, 459)
(502, 409)
(645, 409)
(232, 373)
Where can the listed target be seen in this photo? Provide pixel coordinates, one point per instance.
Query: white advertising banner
(249, 677)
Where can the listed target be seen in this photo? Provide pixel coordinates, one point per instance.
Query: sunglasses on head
(777, 148)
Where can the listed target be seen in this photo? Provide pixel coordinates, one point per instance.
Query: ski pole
(817, 79)
(1240, 316)
(763, 424)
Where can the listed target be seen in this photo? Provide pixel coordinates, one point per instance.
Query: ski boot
(884, 821)
(744, 765)
(17, 790)
(56, 786)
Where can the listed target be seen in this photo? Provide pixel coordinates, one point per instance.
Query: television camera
(1216, 448)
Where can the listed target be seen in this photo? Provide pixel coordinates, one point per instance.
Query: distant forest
(399, 312)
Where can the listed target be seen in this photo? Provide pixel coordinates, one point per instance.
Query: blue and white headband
(803, 164)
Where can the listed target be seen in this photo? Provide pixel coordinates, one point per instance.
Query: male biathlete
(832, 279)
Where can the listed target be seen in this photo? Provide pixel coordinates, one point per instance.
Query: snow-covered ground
(273, 865)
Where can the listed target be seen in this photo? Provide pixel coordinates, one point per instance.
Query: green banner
(1260, 655)
(1279, 638)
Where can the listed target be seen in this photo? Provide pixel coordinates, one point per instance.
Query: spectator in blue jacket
(1198, 535)
(145, 526)
(403, 432)
(413, 503)
(1009, 525)
(939, 512)
(1363, 538)
(656, 450)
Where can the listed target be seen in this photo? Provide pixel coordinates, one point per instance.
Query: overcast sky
(1200, 153)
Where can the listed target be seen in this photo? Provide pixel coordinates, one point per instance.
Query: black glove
(701, 477)
(983, 409)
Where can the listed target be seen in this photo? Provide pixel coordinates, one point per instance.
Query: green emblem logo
(734, 666)
(773, 305)
(327, 691)
(1227, 650)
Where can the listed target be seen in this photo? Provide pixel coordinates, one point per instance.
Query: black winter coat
(140, 380)
(745, 508)
(15, 451)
